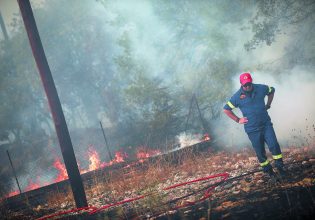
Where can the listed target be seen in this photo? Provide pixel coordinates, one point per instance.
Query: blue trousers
(258, 139)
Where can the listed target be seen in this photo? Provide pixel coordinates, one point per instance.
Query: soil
(246, 194)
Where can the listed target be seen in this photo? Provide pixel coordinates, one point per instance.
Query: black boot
(270, 173)
(282, 172)
(272, 178)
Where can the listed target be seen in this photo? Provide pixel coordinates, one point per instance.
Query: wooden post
(106, 143)
(54, 103)
(4, 30)
(16, 179)
(204, 124)
(190, 109)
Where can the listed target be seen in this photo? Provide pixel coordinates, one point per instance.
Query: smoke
(169, 45)
(292, 111)
(186, 140)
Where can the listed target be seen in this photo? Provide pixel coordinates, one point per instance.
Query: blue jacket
(252, 106)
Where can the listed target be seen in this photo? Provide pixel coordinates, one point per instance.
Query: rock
(226, 215)
(63, 205)
(252, 159)
(246, 189)
(258, 174)
(236, 192)
(235, 182)
(227, 186)
(218, 188)
(38, 208)
(187, 211)
(248, 179)
(242, 211)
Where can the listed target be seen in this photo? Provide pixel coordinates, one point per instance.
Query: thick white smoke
(292, 111)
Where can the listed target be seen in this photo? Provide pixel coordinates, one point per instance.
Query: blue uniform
(259, 126)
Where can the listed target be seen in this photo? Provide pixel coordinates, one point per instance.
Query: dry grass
(141, 179)
(60, 199)
(150, 178)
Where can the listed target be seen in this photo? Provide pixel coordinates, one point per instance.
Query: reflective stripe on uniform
(270, 89)
(264, 163)
(276, 157)
(230, 104)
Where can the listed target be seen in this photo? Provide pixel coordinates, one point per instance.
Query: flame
(94, 159)
(119, 158)
(145, 152)
(206, 137)
(62, 175)
(16, 192)
(31, 185)
(95, 163)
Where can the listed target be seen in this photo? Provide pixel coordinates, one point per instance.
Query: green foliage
(154, 110)
(96, 68)
(23, 107)
(139, 74)
(274, 17)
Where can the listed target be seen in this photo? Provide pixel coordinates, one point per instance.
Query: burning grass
(151, 177)
(62, 199)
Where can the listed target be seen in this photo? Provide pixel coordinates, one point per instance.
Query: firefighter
(250, 99)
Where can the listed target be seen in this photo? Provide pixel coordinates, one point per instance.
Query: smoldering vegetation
(135, 65)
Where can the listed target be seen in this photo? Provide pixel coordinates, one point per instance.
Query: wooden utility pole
(54, 104)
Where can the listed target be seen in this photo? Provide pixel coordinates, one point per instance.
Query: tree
(22, 108)
(199, 48)
(155, 112)
(274, 17)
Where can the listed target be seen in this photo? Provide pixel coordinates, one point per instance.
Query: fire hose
(94, 210)
(206, 194)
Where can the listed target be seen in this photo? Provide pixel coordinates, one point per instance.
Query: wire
(95, 210)
(206, 195)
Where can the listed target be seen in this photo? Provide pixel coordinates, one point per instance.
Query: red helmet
(245, 78)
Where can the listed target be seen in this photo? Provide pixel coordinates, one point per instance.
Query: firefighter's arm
(228, 110)
(231, 115)
(271, 92)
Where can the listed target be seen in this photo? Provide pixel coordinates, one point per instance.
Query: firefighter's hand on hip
(243, 120)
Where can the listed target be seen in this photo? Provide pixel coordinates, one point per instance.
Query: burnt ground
(292, 197)
(246, 194)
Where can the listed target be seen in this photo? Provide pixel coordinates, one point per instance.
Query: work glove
(267, 107)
